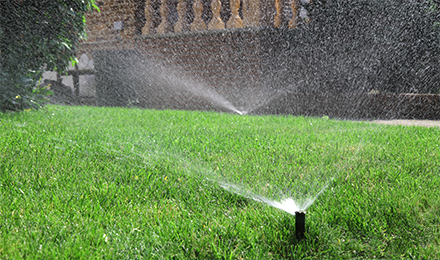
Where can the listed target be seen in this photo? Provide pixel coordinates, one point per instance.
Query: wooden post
(75, 77)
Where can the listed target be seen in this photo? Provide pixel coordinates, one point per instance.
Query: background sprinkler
(300, 224)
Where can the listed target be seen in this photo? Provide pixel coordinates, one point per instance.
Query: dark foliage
(37, 35)
(21, 92)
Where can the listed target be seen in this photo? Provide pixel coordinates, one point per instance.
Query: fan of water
(176, 82)
(287, 204)
(292, 192)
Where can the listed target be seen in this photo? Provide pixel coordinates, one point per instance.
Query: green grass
(81, 182)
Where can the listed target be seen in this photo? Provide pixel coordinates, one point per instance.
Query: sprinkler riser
(300, 224)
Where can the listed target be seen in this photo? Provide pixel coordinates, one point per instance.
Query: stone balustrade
(197, 15)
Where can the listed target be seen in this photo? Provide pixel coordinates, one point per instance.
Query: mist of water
(168, 81)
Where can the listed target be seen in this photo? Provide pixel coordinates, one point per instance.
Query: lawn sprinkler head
(242, 113)
(300, 224)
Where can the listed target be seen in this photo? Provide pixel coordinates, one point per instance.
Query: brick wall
(100, 25)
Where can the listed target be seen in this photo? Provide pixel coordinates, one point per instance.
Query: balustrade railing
(242, 13)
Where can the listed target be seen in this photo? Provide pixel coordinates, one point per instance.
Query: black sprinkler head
(300, 224)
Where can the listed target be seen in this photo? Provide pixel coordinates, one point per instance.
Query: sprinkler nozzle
(300, 224)
(242, 113)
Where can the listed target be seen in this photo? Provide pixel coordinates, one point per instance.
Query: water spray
(300, 224)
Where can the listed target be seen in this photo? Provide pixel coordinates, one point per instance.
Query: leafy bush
(36, 34)
(21, 92)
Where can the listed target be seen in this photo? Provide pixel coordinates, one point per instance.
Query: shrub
(36, 34)
(21, 92)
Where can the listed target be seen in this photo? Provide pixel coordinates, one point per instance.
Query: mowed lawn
(87, 182)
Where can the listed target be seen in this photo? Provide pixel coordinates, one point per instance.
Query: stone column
(181, 25)
(164, 26)
(198, 23)
(148, 27)
(235, 20)
(216, 22)
(258, 13)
